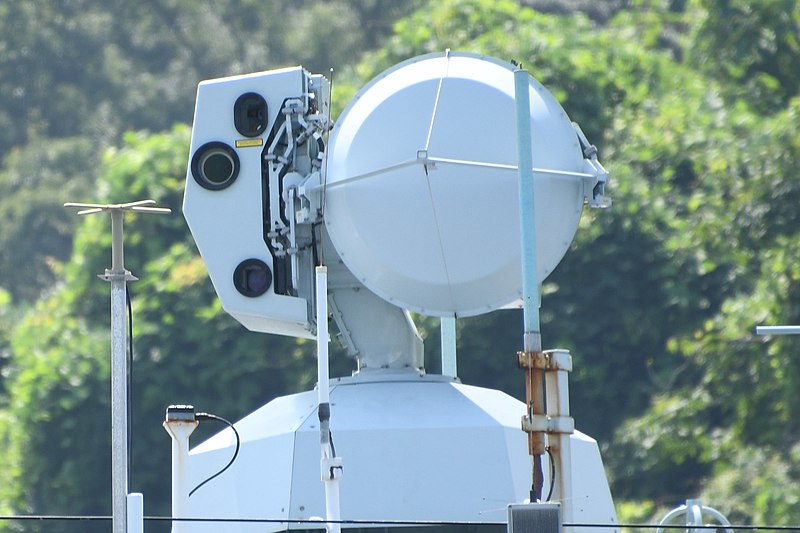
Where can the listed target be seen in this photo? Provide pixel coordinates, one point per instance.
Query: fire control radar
(410, 202)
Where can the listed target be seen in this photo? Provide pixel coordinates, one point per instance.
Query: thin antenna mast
(532, 338)
(118, 276)
(330, 463)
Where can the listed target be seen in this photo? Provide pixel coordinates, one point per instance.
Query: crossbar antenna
(118, 276)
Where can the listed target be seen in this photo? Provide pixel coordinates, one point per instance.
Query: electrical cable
(552, 473)
(89, 518)
(209, 416)
(333, 448)
(316, 248)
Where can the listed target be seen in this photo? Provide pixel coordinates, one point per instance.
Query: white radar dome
(422, 185)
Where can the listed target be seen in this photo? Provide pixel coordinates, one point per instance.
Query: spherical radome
(422, 186)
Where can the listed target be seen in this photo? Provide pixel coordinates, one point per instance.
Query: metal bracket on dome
(427, 162)
(595, 196)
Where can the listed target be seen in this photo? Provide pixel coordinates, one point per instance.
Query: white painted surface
(421, 448)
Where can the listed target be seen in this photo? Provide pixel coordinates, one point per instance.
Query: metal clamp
(547, 360)
(548, 424)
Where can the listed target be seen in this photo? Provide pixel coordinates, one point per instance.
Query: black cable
(330, 439)
(209, 416)
(54, 518)
(316, 249)
(552, 473)
(129, 377)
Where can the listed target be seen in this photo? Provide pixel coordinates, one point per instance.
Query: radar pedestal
(377, 334)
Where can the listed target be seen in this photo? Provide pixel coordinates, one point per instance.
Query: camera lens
(250, 114)
(252, 278)
(256, 280)
(215, 166)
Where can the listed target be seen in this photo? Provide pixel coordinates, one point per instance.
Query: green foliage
(74, 76)
(758, 486)
(753, 46)
(57, 389)
(666, 444)
(101, 68)
(694, 107)
(7, 319)
(37, 231)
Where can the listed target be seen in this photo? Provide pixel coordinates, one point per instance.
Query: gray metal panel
(534, 518)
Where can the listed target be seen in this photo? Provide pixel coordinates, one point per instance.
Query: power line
(320, 522)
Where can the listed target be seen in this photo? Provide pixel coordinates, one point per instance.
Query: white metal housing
(228, 224)
(413, 447)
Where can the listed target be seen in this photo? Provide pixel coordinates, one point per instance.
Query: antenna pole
(118, 277)
(530, 357)
(530, 282)
(330, 464)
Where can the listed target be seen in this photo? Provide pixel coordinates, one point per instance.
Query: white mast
(330, 464)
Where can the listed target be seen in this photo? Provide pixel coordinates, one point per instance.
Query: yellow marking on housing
(245, 143)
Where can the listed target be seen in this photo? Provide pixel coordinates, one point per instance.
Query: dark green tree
(752, 46)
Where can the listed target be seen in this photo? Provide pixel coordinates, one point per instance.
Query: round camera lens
(215, 166)
(256, 280)
(252, 278)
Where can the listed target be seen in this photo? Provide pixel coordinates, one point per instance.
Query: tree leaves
(695, 118)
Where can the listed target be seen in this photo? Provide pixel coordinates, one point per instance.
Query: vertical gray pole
(532, 339)
(530, 281)
(119, 389)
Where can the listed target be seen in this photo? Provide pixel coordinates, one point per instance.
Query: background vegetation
(694, 106)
